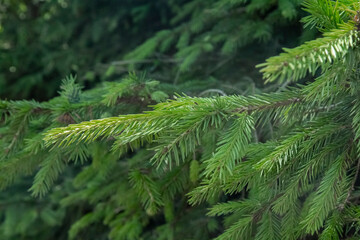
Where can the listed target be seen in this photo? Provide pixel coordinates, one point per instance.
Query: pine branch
(269, 227)
(207, 190)
(241, 207)
(351, 189)
(242, 229)
(326, 196)
(320, 53)
(231, 148)
(50, 170)
(334, 227)
(324, 14)
(147, 190)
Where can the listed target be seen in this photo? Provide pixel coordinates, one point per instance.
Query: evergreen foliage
(278, 164)
(43, 41)
(299, 181)
(210, 39)
(22, 129)
(181, 42)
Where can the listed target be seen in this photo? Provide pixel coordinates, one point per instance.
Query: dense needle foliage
(277, 163)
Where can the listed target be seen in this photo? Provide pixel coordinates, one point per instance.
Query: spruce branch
(320, 53)
(273, 105)
(352, 187)
(326, 196)
(50, 170)
(231, 148)
(147, 190)
(324, 14)
(333, 227)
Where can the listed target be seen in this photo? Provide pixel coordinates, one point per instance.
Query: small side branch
(278, 104)
(352, 188)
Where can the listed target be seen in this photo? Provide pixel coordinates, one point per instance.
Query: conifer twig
(250, 109)
(352, 188)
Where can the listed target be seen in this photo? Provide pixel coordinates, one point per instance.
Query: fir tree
(289, 159)
(50, 216)
(263, 162)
